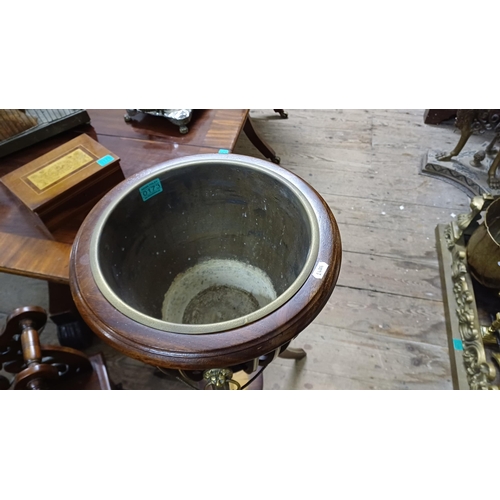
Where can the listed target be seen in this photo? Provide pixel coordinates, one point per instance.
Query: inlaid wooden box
(66, 181)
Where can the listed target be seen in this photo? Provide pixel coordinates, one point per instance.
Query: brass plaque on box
(60, 169)
(66, 180)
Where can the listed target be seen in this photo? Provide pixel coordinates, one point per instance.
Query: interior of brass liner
(483, 249)
(211, 209)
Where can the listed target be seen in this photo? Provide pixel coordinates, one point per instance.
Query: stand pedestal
(472, 180)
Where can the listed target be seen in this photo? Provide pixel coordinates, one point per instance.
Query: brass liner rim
(486, 220)
(140, 179)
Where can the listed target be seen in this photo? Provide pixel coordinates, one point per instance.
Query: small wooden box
(66, 181)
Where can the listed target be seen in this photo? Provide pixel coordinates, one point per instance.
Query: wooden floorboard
(345, 357)
(384, 325)
(365, 311)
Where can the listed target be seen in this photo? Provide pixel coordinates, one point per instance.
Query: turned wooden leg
(281, 112)
(259, 142)
(72, 331)
(292, 353)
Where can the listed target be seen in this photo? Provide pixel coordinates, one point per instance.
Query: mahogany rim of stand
(203, 351)
(180, 164)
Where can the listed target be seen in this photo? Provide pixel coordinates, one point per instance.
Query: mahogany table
(28, 249)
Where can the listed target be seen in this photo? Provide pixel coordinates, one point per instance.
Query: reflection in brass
(496, 358)
(490, 149)
(483, 249)
(489, 334)
(492, 179)
(219, 378)
(479, 371)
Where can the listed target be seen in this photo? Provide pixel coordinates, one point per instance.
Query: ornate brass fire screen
(472, 310)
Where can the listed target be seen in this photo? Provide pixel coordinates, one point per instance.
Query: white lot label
(320, 270)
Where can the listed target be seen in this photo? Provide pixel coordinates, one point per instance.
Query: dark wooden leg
(71, 329)
(436, 116)
(282, 112)
(259, 142)
(292, 353)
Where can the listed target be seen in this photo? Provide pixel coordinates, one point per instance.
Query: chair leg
(259, 142)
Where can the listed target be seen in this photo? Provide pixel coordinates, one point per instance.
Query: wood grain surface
(140, 144)
(384, 325)
(372, 334)
(35, 257)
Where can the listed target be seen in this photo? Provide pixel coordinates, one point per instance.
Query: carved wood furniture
(228, 218)
(140, 145)
(37, 366)
(26, 246)
(66, 182)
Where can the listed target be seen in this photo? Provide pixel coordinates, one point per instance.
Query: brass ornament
(479, 370)
(219, 378)
(477, 120)
(489, 333)
(475, 172)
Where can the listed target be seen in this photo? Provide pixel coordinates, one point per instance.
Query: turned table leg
(259, 142)
(291, 353)
(281, 112)
(72, 331)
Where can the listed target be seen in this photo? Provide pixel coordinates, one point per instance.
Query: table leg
(259, 142)
(72, 331)
(281, 112)
(292, 353)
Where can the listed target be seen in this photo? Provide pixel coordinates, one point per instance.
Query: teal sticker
(224, 151)
(150, 189)
(105, 160)
(458, 345)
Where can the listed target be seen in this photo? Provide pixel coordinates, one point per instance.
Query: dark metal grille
(22, 127)
(17, 121)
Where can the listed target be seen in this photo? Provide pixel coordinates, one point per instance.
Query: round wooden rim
(135, 183)
(180, 351)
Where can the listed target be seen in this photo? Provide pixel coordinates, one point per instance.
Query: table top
(28, 249)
